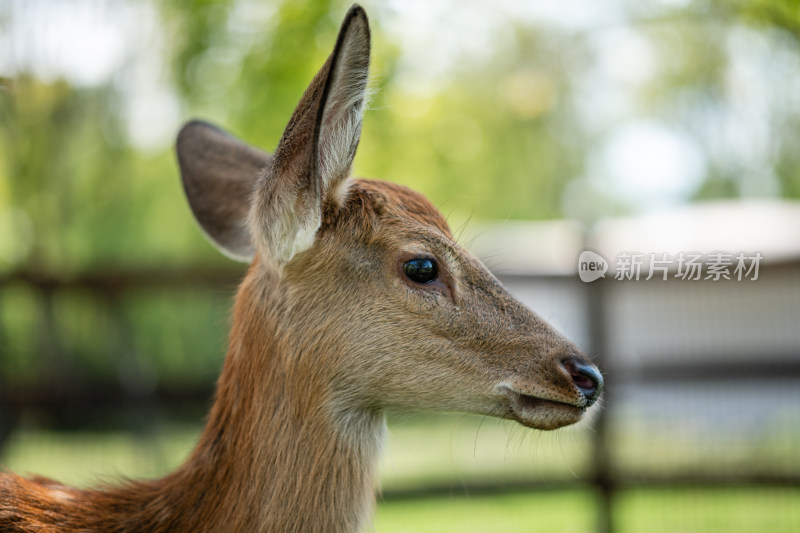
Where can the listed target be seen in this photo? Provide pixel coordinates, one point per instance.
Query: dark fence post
(8, 415)
(596, 308)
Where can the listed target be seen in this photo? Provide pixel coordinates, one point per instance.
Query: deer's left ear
(315, 154)
(219, 173)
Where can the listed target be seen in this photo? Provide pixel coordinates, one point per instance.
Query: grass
(743, 510)
(84, 458)
(562, 512)
(461, 449)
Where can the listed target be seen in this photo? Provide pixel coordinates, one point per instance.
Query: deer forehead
(379, 211)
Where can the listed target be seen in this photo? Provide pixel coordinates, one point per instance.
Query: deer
(357, 301)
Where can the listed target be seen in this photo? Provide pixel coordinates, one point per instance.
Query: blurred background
(540, 129)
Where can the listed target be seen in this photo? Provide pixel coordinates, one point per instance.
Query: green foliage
(783, 14)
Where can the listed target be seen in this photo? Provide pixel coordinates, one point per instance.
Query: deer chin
(540, 413)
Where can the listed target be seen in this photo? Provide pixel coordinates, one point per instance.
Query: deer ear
(219, 174)
(314, 156)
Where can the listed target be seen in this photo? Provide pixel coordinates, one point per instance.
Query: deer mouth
(540, 413)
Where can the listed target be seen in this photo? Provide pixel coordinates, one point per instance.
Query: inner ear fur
(316, 151)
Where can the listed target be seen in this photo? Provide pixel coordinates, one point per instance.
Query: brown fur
(325, 338)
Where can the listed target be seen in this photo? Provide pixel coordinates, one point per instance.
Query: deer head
(379, 304)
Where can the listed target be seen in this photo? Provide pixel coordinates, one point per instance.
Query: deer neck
(276, 452)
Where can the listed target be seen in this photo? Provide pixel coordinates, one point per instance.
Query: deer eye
(420, 269)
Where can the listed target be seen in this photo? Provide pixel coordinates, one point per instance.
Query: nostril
(583, 382)
(586, 377)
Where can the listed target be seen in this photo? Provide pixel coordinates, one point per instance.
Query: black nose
(586, 377)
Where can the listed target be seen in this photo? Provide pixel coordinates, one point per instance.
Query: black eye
(420, 269)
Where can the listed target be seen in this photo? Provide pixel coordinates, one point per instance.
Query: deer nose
(586, 377)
